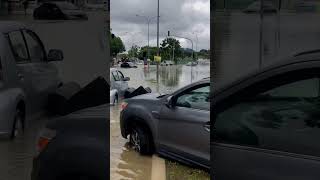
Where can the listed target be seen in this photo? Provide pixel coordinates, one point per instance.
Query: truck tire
(18, 126)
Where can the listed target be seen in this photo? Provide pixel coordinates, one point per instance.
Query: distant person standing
(25, 6)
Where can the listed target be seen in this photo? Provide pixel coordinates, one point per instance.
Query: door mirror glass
(126, 79)
(55, 55)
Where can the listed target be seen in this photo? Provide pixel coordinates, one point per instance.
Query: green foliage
(169, 45)
(152, 51)
(116, 46)
(133, 52)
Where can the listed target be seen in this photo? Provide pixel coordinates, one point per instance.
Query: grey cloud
(178, 16)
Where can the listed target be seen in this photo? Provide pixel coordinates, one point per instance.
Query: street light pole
(148, 22)
(158, 51)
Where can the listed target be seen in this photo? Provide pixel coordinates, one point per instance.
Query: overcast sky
(186, 18)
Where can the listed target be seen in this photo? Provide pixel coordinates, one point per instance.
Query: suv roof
(303, 57)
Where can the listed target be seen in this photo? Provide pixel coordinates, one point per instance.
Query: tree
(116, 46)
(133, 52)
(168, 46)
(144, 49)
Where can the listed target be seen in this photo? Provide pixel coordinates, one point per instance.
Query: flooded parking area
(125, 163)
(16, 155)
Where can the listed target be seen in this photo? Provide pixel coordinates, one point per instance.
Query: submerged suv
(176, 125)
(26, 76)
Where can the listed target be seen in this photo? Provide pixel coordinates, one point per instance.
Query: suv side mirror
(55, 55)
(170, 102)
(126, 79)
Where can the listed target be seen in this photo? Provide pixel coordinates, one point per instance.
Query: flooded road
(126, 163)
(16, 156)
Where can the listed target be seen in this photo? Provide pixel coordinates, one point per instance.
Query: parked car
(192, 63)
(128, 65)
(74, 147)
(166, 63)
(118, 82)
(176, 125)
(58, 10)
(268, 7)
(267, 123)
(26, 76)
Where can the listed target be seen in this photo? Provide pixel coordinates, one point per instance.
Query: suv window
(18, 46)
(121, 76)
(35, 46)
(284, 118)
(197, 98)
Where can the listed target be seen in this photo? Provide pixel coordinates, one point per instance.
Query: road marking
(158, 170)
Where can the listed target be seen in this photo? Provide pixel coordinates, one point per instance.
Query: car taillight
(123, 105)
(46, 135)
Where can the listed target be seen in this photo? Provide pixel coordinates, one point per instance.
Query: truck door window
(35, 46)
(18, 46)
(115, 76)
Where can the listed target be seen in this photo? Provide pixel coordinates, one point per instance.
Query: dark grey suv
(266, 125)
(176, 126)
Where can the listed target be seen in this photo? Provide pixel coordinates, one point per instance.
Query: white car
(26, 76)
(118, 85)
(166, 63)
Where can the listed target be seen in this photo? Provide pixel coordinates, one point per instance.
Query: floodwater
(124, 162)
(16, 156)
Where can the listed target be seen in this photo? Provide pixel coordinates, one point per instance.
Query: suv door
(44, 77)
(269, 129)
(122, 84)
(24, 67)
(184, 128)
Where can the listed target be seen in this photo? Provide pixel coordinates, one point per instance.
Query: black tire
(18, 124)
(141, 140)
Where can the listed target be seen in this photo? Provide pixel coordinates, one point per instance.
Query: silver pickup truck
(26, 76)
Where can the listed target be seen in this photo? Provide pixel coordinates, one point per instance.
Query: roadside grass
(176, 171)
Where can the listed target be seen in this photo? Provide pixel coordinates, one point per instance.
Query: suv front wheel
(141, 140)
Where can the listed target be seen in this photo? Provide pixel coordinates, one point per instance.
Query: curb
(158, 170)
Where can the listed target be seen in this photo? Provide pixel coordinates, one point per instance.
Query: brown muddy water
(126, 163)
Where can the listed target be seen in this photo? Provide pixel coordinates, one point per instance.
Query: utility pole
(148, 22)
(158, 51)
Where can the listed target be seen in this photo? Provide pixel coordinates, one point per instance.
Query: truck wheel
(141, 140)
(17, 128)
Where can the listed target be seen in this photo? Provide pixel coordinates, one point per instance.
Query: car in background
(194, 63)
(118, 82)
(166, 63)
(268, 7)
(59, 10)
(74, 146)
(175, 125)
(128, 65)
(266, 124)
(26, 76)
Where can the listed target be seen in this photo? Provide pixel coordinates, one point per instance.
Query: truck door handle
(207, 126)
